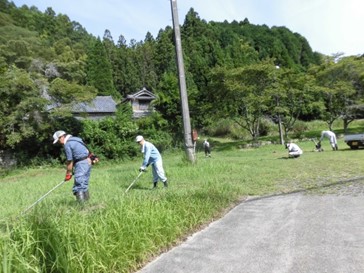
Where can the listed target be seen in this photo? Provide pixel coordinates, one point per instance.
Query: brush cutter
(40, 199)
(317, 145)
(132, 183)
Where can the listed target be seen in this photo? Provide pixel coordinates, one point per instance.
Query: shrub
(112, 138)
(155, 129)
(221, 128)
(229, 128)
(299, 129)
(267, 127)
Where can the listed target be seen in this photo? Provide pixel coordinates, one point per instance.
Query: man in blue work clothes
(151, 156)
(77, 161)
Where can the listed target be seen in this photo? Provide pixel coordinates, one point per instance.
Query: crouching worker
(151, 156)
(78, 163)
(293, 150)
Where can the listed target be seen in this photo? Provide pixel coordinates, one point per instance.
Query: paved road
(292, 233)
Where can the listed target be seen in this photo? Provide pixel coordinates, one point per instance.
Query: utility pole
(182, 84)
(280, 125)
(279, 118)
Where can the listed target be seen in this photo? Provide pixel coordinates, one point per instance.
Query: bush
(112, 138)
(225, 128)
(229, 128)
(267, 127)
(155, 129)
(299, 129)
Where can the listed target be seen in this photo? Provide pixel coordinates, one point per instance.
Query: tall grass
(118, 232)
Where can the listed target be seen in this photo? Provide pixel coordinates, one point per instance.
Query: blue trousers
(82, 172)
(158, 171)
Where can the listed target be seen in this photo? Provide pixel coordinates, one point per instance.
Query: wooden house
(141, 102)
(100, 107)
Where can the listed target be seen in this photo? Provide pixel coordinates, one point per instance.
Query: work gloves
(68, 177)
(142, 169)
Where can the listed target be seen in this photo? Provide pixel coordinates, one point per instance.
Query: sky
(330, 26)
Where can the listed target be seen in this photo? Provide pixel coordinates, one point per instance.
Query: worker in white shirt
(293, 150)
(332, 138)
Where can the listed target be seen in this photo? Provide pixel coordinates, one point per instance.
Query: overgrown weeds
(118, 232)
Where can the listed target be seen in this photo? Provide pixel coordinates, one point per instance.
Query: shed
(141, 102)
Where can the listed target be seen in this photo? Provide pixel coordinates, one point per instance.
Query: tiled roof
(142, 94)
(100, 104)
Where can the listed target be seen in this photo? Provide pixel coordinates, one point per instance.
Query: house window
(144, 105)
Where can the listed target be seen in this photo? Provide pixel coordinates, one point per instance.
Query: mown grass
(118, 232)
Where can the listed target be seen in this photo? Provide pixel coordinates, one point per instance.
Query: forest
(237, 71)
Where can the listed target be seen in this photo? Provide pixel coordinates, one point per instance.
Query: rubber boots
(87, 195)
(165, 183)
(80, 196)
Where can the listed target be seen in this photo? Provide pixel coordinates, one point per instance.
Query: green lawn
(118, 232)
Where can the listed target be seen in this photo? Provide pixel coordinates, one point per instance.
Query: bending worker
(332, 138)
(77, 161)
(293, 150)
(152, 157)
